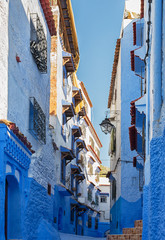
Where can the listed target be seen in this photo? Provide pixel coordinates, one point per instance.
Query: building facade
(104, 205)
(47, 141)
(75, 210)
(27, 166)
(127, 85)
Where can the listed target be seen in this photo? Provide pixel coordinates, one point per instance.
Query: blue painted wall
(154, 197)
(124, 214)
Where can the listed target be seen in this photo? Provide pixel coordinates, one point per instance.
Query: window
(113, 141)
(103, 199)
(96, 222)
(72, 182)
(89, 221)
(63, 171)
(90, 195)
(97, 152)
(65, 81)
(38, 43)
(63, 128)
(97, 199)
(97, 178)
(83, 128)
(49, 189)
(73, 142)
(37, 121)
(72, 213)
(113, 189)
(91, 142)
(86, 106)
(90, 170)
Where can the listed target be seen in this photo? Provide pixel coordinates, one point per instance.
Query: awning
(68, 61)
(66, 153)
(98, 169)
(82, 208)
(80, 177)
(75, 169)
(132, 60)
(63, 190)
(141, 104)
(91, 185)
(104, 194)
(133, 137)
(76, 131)
(73, 201)
(68, 109)
(111, 178)
(76, 93)
(81, 144)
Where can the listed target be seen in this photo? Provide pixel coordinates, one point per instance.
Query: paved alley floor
(65, 236)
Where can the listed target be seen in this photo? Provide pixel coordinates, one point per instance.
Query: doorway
(12, 208)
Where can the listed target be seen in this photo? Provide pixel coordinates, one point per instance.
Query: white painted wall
(104, 186)
(4, 59)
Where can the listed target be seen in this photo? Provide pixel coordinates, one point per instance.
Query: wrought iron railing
(38, 43)
(37, 121)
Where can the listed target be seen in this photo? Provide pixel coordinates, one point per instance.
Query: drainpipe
(156, 63)
(147, 80)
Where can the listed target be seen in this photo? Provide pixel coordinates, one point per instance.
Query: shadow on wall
(47, 232)
(18, 33)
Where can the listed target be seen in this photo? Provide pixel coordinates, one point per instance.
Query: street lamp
(106, 126)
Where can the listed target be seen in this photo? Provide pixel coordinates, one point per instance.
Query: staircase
(129, 233)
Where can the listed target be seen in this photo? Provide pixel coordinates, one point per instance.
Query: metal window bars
(38, 43)
(37, 121)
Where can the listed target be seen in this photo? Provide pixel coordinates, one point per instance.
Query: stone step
(136, 230)
(139, 223)
(125, 237)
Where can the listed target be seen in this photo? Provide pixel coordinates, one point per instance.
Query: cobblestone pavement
(65, 236)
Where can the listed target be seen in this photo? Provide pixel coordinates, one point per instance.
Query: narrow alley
(82, 143)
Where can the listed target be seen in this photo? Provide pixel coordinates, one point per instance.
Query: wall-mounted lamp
(106, 126)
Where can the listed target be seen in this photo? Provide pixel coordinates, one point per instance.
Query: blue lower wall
(103, 228)
(38, 215)
(154, 194)
(124, 214)
(146, 208)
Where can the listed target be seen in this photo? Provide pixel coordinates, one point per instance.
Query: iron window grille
(38, 43)
(37, 121)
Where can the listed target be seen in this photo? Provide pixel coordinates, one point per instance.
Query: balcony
(14, 145)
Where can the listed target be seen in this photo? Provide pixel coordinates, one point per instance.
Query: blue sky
(98, 24)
